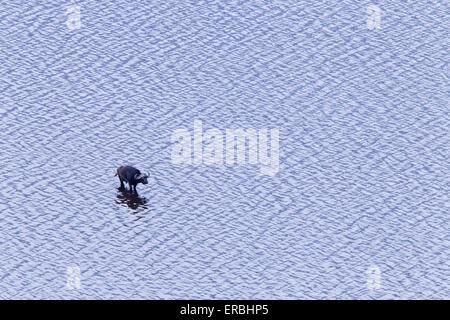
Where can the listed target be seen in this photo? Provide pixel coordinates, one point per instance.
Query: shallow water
(364, 161)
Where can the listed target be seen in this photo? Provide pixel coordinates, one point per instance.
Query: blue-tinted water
(363, 181)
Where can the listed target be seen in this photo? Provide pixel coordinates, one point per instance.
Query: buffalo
(132, 176)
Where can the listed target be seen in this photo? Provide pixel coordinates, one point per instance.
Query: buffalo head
(142, 178)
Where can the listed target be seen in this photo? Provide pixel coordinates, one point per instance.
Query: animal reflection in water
(131, 199)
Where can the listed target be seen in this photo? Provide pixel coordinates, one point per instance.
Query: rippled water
(364, 150)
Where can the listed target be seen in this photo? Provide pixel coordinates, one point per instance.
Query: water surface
(364, 158)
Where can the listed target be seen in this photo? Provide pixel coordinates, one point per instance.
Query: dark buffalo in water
(132, 176)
